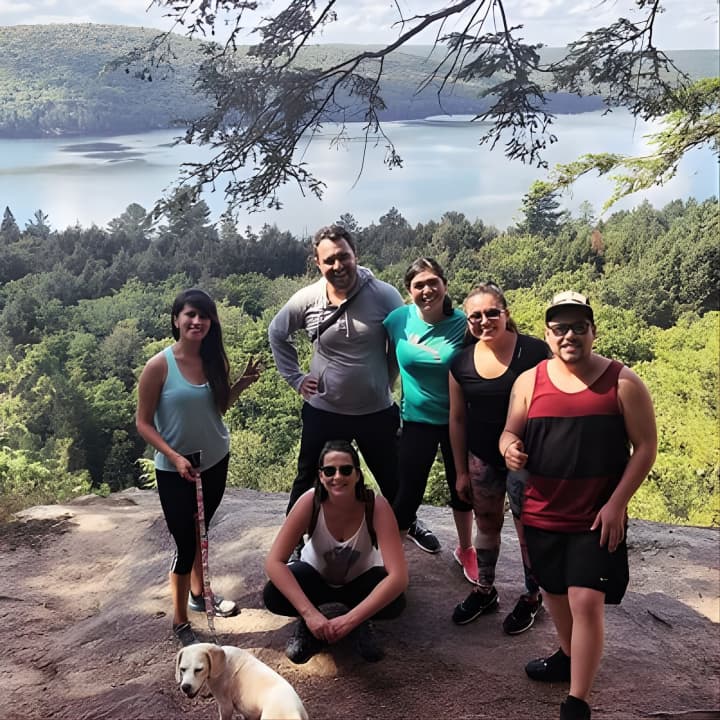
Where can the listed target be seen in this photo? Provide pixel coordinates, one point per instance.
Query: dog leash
(207, 591)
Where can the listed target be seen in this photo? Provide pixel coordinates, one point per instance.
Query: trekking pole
(202, 531)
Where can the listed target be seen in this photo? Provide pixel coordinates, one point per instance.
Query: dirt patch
(31, 533)
(85, 626)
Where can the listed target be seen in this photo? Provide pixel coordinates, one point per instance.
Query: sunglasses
(489, 314)
(562, 329)
(329, 470)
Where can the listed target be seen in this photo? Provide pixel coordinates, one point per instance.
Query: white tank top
(340, 562)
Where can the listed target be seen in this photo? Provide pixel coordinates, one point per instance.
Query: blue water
(92, 180)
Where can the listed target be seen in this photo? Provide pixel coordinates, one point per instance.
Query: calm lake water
(92, 180)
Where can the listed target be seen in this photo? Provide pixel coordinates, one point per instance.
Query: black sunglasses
(490, 314)
(329, 470)
(562, 329)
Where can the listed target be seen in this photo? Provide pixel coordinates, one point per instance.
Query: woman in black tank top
(481, 378)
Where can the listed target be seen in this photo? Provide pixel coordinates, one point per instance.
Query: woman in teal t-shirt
(426, 336)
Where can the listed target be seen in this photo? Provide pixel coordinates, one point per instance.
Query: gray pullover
(350, 358)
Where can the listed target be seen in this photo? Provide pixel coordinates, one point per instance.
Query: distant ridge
(51, 81)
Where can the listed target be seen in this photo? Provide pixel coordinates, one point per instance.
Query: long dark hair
(489, 288)
(425, 264)
(212, 351)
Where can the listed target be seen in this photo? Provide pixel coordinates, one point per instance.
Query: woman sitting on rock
(353, 558)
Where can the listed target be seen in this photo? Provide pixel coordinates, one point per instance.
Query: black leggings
(179, 504)
(375, 435)
(319, 592)
(418, 448)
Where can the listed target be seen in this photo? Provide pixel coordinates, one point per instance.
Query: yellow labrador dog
(237, 680)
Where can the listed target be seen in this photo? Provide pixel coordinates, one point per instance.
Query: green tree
(455, 234)
(542, 213)
(27, 479)
(119, 470)
(38, 227)
(692, 121)
(387, 241)
(9, 230)
(132, 230)
(683, 381)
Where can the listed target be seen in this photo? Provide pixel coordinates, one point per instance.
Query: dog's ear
(216, 660)
(178, 657)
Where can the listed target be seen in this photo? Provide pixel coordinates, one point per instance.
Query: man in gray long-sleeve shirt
(347, 390)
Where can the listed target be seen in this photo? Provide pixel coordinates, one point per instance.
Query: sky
(685, 24)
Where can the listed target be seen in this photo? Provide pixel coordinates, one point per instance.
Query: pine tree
(9, 230)
(542, 212)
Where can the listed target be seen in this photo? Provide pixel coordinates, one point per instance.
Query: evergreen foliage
(54, 81)
(693, 120)
(81, 311)
(66, 79)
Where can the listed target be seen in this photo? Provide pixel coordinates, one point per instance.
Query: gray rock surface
(86, 624)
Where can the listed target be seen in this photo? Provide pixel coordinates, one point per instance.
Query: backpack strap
(369, 515)
(339, 310)
(315, 513)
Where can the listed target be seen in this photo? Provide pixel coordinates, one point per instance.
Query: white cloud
(537, 8)
(551, 22)
(9, 10)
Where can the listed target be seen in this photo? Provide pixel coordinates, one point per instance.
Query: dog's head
(194, 664)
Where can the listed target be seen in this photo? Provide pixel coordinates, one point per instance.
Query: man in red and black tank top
(584, 428)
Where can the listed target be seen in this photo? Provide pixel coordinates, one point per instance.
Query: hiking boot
(574, 709)
(302, 644)
(423, 537)
(467, 559)
(366, 642)
(555, 668)
(523, 615)
(185, 634)
(475, 604)
(223, 608)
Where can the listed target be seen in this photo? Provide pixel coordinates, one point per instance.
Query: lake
(92, 180)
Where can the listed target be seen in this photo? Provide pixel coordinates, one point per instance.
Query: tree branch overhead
(269, 97)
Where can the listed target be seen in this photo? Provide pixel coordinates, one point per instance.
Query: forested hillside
(81, 310)
(52, 81)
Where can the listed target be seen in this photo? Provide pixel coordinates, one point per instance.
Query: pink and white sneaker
(467, 559)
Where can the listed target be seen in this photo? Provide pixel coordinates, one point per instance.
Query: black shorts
(563, 560)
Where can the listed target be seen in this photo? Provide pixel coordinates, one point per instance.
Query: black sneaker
(185, 634)
(302, 645)
(474, 605)
(523, 615)
(574, 709)
(423, 537)
(555, 668)
(366, 642)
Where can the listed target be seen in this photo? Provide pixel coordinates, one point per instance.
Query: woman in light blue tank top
(183, 393)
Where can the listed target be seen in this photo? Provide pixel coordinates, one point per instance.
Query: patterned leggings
(488, 485)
